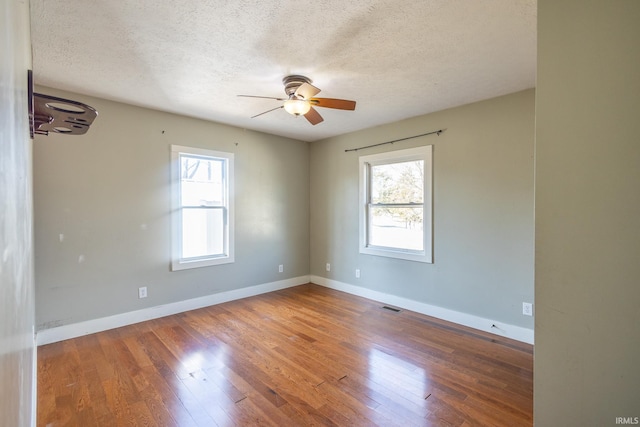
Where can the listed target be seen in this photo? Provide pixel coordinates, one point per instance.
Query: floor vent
(386, 307)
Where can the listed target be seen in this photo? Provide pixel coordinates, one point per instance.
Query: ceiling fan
(300, 100)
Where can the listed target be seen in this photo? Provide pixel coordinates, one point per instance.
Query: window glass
(201, 181)
(202, 233)
(399, 228)
(395, 204)
(398, 182)
(202, 213)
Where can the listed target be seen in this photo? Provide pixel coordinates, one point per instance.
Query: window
(202, 214)
(396, 204)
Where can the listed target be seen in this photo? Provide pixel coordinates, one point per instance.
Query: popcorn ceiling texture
(396, 58)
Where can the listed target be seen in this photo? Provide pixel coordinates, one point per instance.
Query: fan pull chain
(437, 132)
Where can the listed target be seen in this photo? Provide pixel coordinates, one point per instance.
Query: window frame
(424, 153)
(177, 261)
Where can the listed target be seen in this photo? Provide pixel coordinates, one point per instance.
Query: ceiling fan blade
(313, 116)
(340, 104)
(268, 111)
(265, 97)
(306, 91)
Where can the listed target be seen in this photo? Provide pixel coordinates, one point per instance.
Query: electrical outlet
(328, 267)
(527, 309)
(357, 273)
(142, 292)
(280, 268)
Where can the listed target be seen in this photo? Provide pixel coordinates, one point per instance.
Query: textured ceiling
(396, 58)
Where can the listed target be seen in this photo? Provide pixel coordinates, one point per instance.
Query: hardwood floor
(301, 356)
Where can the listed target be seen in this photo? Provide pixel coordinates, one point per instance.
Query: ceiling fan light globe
(297, 107)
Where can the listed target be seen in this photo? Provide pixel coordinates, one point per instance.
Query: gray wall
(107, 193)
(17, 349)
(483, 210)
(587, 332)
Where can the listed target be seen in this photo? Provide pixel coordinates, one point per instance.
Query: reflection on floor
(301, 356)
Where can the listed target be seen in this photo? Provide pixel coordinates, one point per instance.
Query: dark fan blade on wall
(300, 100)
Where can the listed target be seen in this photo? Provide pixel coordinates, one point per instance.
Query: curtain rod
(438, 132)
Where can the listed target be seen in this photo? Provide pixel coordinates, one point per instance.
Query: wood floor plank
(305, 355)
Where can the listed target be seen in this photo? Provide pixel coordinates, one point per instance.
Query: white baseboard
(487, 325)
(60, 333)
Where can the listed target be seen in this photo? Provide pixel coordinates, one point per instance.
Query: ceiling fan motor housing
(293, 82)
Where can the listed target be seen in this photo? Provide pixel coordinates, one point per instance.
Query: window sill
(398, 254)
(186, 264)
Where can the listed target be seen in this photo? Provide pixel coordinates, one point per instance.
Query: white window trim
(424, 153)
(176, 224)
